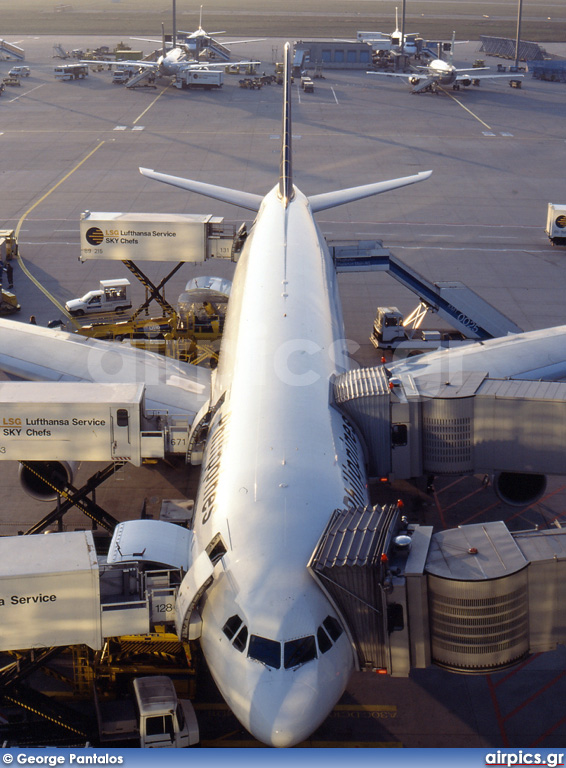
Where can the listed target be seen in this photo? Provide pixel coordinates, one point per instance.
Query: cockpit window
(332, 626)
(324, 642)
(299, 651)
(266, 651)
(232, 626)
(241, 639)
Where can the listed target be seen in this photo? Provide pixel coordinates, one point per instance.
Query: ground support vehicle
(391, 331)
(190, 337)
(307, 84)
(111, 296)
(206, 79)
(556, 224)
(20, 71)
(71, 71)
(155, 719)
(251, 83)
(8, 245)
(8, 302)
(120, 77)
(11, 80)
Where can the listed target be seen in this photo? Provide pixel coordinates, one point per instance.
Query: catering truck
(111, 296)
(199, 78)
(556, 224)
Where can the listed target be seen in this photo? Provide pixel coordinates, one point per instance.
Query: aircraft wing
(403, 75)
(34, 353)
(424, 81)
(238, 42)
(122, 63)
(509, 76)
(213, 64)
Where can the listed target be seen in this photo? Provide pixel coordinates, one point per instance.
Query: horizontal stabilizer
(234, 196)
(340, 197)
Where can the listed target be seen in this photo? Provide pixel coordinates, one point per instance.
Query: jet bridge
(459, 423)
(474, 599)
(453, 301)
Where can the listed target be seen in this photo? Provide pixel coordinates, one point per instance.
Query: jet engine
(518, 488)
(414, 80)
(36, 477)
(466, 81)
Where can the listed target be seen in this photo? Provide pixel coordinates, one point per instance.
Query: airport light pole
(403, 27)
(518, 41)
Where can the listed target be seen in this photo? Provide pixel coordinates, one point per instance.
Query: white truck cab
(164, 720)
(154, 717)
(111, 296)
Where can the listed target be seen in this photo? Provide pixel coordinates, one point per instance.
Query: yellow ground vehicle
(187, 335)
(8, 245)
(8, 303)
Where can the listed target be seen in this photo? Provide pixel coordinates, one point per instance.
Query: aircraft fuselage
(279, 460)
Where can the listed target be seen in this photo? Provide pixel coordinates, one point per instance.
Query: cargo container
(64, 421)
(153, 237)
(49, 591)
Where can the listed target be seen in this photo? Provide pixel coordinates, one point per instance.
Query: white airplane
(168, 63)
(199, 41)
(439, 73)
(393, 38)
(278, 460)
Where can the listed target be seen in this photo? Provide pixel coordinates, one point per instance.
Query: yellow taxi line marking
(467, 110)
(159, 95)
(23, 267)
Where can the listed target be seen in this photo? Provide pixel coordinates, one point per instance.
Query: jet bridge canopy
(472, 599)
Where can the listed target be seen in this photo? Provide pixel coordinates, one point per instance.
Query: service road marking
(25, 93)
(159, 95)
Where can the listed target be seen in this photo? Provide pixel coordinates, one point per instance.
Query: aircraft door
(121, 440)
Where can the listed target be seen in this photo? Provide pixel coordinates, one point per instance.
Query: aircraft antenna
(286, 167)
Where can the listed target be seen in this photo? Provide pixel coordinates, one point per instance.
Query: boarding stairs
(138, 80)
(454, 302)
(11, 51)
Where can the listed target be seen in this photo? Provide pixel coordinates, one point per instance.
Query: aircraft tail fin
(286, 191)
(163, 43)
(453, 43)
(286, 166)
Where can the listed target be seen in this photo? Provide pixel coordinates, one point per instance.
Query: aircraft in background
(279, 457)
(439, 73)
(168, 63)
(392, 39)
(200, 44)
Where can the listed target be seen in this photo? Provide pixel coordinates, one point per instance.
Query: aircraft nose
(283, 716)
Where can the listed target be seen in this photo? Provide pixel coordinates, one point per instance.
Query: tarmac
(497, 158)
